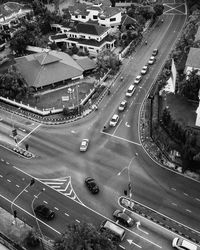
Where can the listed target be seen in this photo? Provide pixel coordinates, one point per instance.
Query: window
(84, 17)
(94, 17)
(90, 48)
(81, 36)
(112, 19)
(76, 16)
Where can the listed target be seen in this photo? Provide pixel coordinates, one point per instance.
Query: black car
(44, 212)
(91, 185)
(123, 218)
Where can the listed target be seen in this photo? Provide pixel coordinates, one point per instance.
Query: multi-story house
(104, 15)
(86, 36)
(11, 13)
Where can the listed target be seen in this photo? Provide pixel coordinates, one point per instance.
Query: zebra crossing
(62, 185)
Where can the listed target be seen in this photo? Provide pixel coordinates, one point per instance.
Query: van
(117, 231)
(182, 244)
(130, 90)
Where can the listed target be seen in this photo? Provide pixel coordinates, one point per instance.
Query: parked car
(123, 218)
(122, 105)
(138, 79)
(130, 91)
(144, 70)
(44, 212)
(92, 185)
(84, 145)
(151, 60)
(182, 244)
(155, 52)
(114, 120)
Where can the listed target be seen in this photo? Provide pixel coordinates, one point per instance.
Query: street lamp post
(30, 184)
(129, 177)
(77, 94)
(38, 225)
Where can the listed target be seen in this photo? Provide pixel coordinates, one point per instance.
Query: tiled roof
(86, 63)
(78, 9)
(126, 20)
(193, 59)
(46, 58)
(8, 8)
(38, 75)
(89, 28)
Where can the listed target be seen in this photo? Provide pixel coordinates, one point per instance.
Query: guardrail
(160, 219)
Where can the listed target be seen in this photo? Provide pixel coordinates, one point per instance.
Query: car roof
(115, 116)
(139, 76)
(124, 101)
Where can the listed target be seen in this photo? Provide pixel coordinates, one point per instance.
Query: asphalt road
(57, 156)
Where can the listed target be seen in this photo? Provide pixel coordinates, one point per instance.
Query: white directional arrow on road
(138, 224)
(127, 125)
(131, 242)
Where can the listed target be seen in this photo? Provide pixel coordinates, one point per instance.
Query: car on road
(155, 52)
(114, 120)
(84, 145)
(122, 105)
(92, 185)
(182, 244)
(130, 91)
(144, 70)
(137, 79)
(44, 212)
(123, 218)
(151, 60)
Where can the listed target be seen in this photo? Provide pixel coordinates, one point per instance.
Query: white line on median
(29, 134)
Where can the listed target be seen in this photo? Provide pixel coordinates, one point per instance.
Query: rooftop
(193, 59)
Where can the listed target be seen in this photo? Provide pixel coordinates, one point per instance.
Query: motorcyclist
(146, 42)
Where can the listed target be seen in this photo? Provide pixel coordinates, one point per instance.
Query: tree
(84, 236)
(158, 9)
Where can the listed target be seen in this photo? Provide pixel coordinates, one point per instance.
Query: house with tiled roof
(102, 14)
(10, 13)
(87, 37)
(193, 61)
(48, 68)
(128, 23)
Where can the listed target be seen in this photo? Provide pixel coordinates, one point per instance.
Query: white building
(103, 15)
(85, 36)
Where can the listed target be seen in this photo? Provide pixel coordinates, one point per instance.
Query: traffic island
(22, 152)
(160, 219)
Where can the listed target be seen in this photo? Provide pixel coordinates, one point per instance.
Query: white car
(144, 70)
(122, 105)
(84, 145)
(114, 120)
(138, 79)
(151, 60)
(182, 244)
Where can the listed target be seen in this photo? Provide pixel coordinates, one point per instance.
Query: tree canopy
(83, 237)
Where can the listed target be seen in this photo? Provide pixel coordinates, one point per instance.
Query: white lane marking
(185, 194)
(56, 208)
(31, 214)
(123, 139)
(29, 134)
(138, 224)
(127, 125)
(66, 214)
(121, 246)
(132, 242)
(17, 186)
(8, 180)
(173, 189)
(78, 221)
(197, 199)
(117, 126)
(45, 202)
(26, 190)
(189, 211)
(7, 163)
(78, 203)
(174, 204)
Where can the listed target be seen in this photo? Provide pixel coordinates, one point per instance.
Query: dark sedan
(44, 212)
(123, 218)
(92, 185)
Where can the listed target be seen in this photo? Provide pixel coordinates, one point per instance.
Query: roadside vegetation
(173, 134)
